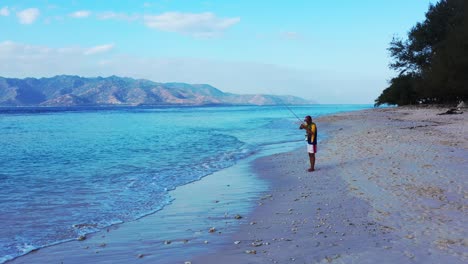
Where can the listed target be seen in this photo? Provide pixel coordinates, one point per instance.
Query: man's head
(308, 119)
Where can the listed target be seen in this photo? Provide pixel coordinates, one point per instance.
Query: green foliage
(433, 61)
(447, 78)
(402, 91)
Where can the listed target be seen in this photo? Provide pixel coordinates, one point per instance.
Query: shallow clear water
(64, 173)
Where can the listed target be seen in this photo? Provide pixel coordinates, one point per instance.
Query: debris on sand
(452, 111)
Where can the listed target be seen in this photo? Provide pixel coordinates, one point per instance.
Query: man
(311, 130)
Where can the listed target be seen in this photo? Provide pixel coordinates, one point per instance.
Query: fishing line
(285, 105)
(292, 112)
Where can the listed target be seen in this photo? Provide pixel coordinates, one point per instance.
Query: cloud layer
(200, 25)
(98, 49)
(205, 24)
(117, 16)
(28, 16)
(4, 11)
(80, 14)
(39, 61)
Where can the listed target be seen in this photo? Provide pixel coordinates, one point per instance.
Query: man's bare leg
(312, 161)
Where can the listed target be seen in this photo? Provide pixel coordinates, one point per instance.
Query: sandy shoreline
(180, 229)
(391, 187)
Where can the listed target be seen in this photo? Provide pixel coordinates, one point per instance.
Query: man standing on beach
(311, 130)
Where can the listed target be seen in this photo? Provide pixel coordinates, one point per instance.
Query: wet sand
(390, 187)
(180, 230)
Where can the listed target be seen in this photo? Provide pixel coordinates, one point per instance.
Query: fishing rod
(290, 110)
(285, 105)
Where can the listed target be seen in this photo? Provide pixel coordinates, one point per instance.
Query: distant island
(67, 90)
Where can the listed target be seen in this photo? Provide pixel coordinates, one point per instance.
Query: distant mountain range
(66, 90)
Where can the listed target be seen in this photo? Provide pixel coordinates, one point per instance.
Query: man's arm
(304, 126)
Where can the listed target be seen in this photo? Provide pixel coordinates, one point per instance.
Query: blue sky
(327, 51)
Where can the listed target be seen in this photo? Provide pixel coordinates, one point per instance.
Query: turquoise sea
(66, 172)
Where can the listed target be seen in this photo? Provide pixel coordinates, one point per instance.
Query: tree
(447, 78)
(401, 91)
(434, 57)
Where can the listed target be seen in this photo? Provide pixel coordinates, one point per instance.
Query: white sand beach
(391, 186)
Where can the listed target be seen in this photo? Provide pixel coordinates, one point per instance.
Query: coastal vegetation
(432, 63)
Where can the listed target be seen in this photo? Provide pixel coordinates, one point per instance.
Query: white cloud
(41, 61)
(290, 35)
(22, 52)
(98, 49)
(4, 11)
(28, 16)
(80, 14)
(117, 16)
(200, 25)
